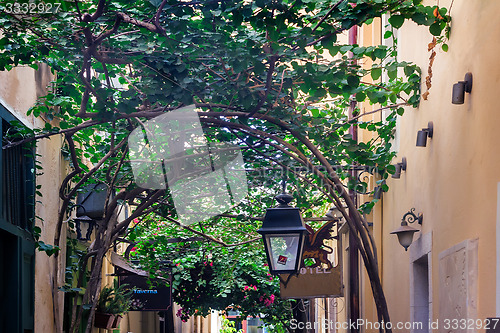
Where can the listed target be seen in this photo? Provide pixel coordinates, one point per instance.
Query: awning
(120, 262)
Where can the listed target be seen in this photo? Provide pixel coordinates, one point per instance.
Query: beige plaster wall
(19, 89)
(452, 181)
(48, 209)
(367, 36)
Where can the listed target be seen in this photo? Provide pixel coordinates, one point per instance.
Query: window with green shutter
(17, 248)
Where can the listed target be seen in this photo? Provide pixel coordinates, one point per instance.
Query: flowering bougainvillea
(208, 277)
(227, 282)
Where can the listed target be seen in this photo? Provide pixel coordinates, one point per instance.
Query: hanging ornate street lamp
(283, 232)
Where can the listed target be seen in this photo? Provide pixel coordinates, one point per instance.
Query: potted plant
(104, 319)
(113, 303)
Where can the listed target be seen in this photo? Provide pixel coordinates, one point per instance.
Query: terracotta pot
(104, 320)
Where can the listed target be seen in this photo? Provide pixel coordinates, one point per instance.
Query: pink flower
(254, 287)
(180, 313)
(266, 265)
(211, 264)
(133, 249)
(269, 301)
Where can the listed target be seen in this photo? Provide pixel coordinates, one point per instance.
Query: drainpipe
(354, 309)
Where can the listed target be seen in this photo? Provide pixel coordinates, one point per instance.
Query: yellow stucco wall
(19, 89)
(452, 181)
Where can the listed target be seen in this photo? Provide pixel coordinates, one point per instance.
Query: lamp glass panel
(283, 250)
(84, 228)
(405, 238)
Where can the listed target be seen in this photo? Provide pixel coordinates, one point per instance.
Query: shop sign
(147, 297)
(324, 277)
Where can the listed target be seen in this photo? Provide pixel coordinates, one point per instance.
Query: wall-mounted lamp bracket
(429, 129)
(411, 217)
(424, 134)
(460, 88)
(403, 163)
(468, 82)
(401, 166)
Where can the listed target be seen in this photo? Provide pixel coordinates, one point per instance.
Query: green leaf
(397, 21)
(345, 48)
(443, 11)
(358, 50)
(360, 97)
(419, 18)
(353, 81)
(435, 29)
(408, 70)
(156, 3)
(444, 47)
(376, 73)
(333, 49)
(392, 73)
(380, 53)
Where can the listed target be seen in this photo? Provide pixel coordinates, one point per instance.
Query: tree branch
(326, 15)
(374, 111)
(210, 238)
(98, 13)
(149, 26)
(269, 80)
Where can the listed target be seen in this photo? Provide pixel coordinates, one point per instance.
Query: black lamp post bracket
(411, 217)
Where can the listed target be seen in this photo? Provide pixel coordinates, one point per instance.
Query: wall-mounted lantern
(401, 166)
(283, 232)
(424, 134)
(460, 88)
(405, 232)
